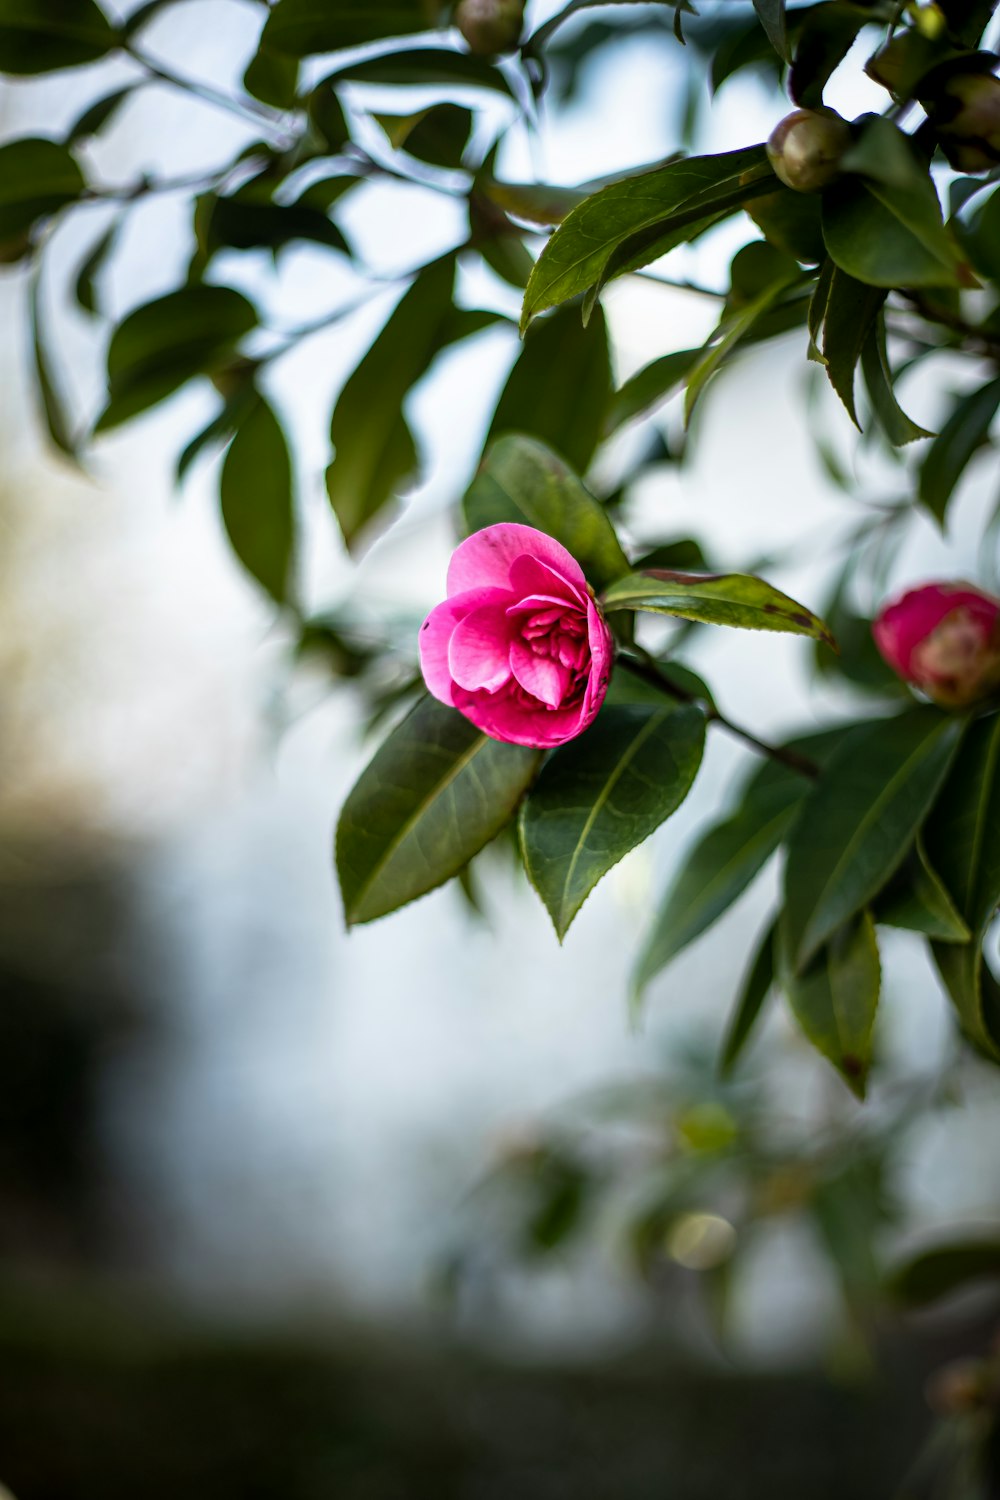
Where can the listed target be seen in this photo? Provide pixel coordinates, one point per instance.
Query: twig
(649, 671)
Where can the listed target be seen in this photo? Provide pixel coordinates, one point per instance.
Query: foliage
(890, 817)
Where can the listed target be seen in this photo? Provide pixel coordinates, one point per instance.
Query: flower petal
(502, 718)
(485, 558)
(541, 676)
(479, 649)
(437, 630)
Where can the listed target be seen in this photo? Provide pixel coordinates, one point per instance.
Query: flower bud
(943, 638)
(806, 146)
(490, 26)
(966, 116)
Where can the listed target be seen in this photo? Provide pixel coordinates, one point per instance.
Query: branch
(649, 671)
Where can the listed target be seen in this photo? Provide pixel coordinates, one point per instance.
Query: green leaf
(56, 420)
(884, 157)
(648, 387)
(600, 796)
(426, 67)
(917, 901)
(981, 237)
(374, 451)
(963, 845)
(719, 868)
(436, 792)
(899, 429)
(97, 115)
(257, 502)
(521, 480)
(835, 999)
(219, 431)
(735, 599)
(246, 221)
(534, 202)
(326, 115)
(757, 985)
(559, 388)
(305, 27)
(41, 36)
(273, 78)
(164, 343)
(735, 326)
(889, 235)
(944, 1269)
(668, 204)
(438, 135)
(848, 315)
(93, 264)
(964, 433)
(771, 14)
(825, 35)
(859, 821)
(791, 222)
(37, 178)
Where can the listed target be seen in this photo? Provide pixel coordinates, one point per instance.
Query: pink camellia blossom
(944, 638)
(519, 646)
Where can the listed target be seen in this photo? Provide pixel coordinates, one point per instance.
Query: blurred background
(416, 1211)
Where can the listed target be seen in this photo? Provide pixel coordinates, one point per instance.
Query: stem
(682, 286)
(649, 671)
(246, 109)
(977, 339)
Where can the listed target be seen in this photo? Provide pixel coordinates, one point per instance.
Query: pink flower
(519, 646)
(944, 638)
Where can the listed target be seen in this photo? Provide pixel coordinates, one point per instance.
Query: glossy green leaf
(671, 203)
(824, 37)
(534, 202)
(306, 27)
(944, 1269)
(733, 329)
(37, 178)
(426, 67)
(273, 78)
(164, 343)
(848, 315)
(521, 480)
(835, 999)
(97, 115)
(438, 135)
(757, 985)
(734, 599)
(771, 14)
(246, 221)
(859, 821)
(981, 237)
(720, 867)
(885, 158)
(258, 508)
(559, 388)
(867, 236)
(791, 222)
(327, 117)
(962, 839)
(898, 428)
(41, 36)
(601, 795)
(374, 452)
(436, 792)
(648, 387)
(916, 900)
(53, 409)
(963, 434)
(92, 265)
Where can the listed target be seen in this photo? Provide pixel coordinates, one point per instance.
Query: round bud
(490, 26)
(966, 116)
(806, 146)
(943, 638)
